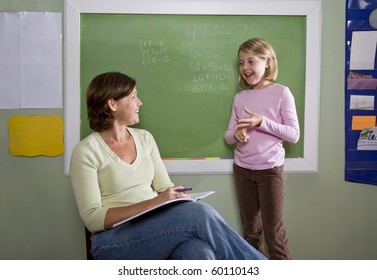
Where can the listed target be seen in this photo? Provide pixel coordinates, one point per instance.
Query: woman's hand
(171, 193)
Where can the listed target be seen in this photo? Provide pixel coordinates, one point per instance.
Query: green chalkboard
(186, 71)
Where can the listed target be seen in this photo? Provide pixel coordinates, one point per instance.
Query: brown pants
(261, 197)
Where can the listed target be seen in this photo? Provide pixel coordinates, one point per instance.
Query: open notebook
(194, 197)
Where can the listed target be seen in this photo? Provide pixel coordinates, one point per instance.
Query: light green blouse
(101, 180)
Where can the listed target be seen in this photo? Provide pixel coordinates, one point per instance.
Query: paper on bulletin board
(363, 50)
(362, 102)
(357, 81)
(36, 135)
(30, 60)
(361, 122)
(368, 139)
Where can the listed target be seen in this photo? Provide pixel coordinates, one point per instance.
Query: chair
(88, 234)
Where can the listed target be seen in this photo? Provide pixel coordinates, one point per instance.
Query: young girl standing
(263, 116)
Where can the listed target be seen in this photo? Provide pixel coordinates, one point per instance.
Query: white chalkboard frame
(311, 9)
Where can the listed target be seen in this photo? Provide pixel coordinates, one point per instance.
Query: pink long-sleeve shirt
(264, 148)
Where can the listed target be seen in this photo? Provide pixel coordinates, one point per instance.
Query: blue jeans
(185, 231)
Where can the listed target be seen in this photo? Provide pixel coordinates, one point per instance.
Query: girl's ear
(268, 62)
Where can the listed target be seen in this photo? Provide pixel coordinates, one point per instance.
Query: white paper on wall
(30, 60)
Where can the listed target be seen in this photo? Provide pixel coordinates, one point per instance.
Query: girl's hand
(254, 120)
(241, 135)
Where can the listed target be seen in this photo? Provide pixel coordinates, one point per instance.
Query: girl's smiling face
(252, 68)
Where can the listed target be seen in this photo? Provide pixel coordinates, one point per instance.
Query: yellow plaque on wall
(36, 135)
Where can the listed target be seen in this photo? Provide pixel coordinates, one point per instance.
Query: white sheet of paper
(363, 50)
(362, 102)
(10, 89)
(30, 60)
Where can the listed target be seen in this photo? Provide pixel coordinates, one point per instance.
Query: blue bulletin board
(361, 92)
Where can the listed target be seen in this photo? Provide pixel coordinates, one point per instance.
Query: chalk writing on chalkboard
(153, 52)
(197, 31)
(211, 72)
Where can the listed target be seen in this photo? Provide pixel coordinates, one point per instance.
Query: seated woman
(117, 172)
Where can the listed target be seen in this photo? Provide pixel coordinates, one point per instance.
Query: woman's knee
(193, 249)
(204, 210)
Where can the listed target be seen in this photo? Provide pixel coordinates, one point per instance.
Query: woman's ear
(112, 105)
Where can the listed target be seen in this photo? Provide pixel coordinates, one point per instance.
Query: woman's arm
(161, 179)
(84, 180)
(117, 214)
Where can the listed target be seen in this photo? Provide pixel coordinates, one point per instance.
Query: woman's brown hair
(106, 86)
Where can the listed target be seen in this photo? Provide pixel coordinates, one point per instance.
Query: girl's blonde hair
(263, 49)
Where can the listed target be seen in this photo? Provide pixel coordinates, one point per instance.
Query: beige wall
(326, 217)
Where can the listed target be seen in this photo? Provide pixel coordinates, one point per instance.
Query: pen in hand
(180, 190)
(183, 190)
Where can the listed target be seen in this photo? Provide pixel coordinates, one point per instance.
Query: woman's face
(252, 68)
(126, 109)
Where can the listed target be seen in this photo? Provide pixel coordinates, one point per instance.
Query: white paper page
(362, 102)
(10, 89)
(30, 60)
(363, 50)
(41, 60)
